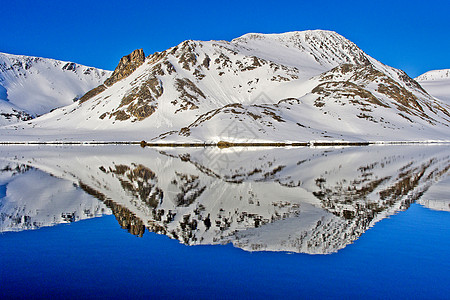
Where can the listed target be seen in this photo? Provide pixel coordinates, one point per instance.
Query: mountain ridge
(302, 78)
(31, 86)
(437, 83)
(434, 75)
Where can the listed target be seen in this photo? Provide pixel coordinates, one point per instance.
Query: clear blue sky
(410, 35)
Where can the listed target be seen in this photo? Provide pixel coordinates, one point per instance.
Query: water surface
(375, 217)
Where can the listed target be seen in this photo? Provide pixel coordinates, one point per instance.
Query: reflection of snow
(35, 199)
(312, 200)
(438, 196)
(222, 160)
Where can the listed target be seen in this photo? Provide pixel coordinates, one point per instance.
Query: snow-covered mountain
(32, 86)
(296, 86)
(436, 83)
(434, 75)
(311, 200)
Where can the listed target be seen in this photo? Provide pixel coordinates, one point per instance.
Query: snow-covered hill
(31, 86)
(434, 75)
(296, 86)
(436, 83)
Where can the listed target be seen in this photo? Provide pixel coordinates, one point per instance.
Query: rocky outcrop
(92, 93)
(126, 66)
(14, 114)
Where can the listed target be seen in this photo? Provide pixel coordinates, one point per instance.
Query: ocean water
(89, 222)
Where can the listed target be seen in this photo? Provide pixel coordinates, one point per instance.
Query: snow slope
(296, 86)
(310, 200)
(34, 86)
(437, 83)
(10, 113)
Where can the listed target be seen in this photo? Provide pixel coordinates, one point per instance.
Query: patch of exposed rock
(126, 66)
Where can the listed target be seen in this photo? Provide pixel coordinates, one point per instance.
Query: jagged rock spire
(126, 66)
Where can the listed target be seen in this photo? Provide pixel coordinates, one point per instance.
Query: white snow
(37, 85)
(252, 70)
(434, 75)
(437, 84)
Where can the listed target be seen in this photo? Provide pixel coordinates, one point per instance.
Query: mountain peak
(31, 86)
(322, 47)
(296, 86)
(126, 66)
(437, 83)
(434, 75)
(289, 34)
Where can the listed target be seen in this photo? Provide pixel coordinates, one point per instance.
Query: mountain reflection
(309, 200)
(36, 199)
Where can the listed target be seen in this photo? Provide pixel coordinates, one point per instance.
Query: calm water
(364, 222)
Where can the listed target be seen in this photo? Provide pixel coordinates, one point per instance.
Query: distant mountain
(434, 75)
(32, 86)
(437, 83)
(296, 86)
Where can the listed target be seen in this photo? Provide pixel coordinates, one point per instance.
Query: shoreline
(223, 144)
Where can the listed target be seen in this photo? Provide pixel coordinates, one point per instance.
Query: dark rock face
(126, 66)
(19, 115)
(70, 66)
(92, 93)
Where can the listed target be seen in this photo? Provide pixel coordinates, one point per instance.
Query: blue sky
(410, 35)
